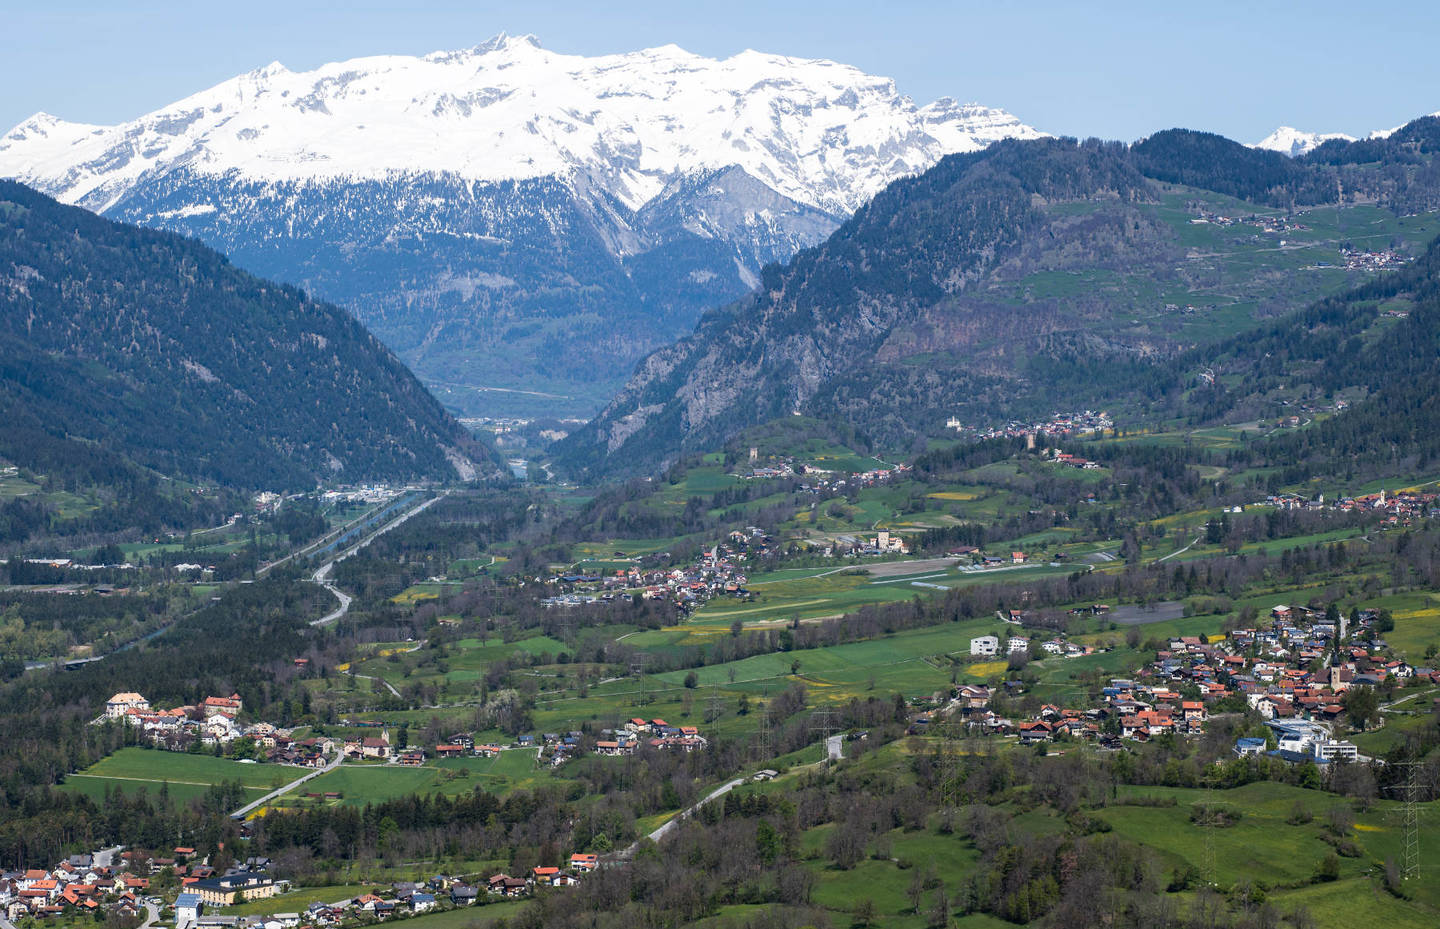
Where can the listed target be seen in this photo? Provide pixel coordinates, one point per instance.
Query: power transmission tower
(823, 722)
(1410, 812)
(762, 738)
(1412, 823)
(1410, 817)
(713, 707)
(950, 766)
(1210, 829)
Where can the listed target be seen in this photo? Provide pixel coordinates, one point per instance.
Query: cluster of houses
(413, 898)
(1357, 260)
(1126, 710)
(1073, 461)
(1293, 672)
(718, 572)
(820, 480)
(552, 748)
(78, 884)
(556, 749)
(120, 883)
(1270, 224)
(656, 733)
(213, 721)
(991, 646)
(1085, 422)
(1400, 507)
(116, 882)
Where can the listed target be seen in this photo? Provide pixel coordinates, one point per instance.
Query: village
(1084, 422)
(721, 571)
(213, 723)
(1401, 507)
(131, 884)
(1295, 672)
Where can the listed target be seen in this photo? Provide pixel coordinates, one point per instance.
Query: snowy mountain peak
(1293, 142)
(502, 41)
(822, 134)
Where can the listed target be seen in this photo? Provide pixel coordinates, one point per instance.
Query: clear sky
(1111, 69)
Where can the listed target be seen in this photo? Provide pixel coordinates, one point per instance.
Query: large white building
(986, 645)
(118, 705)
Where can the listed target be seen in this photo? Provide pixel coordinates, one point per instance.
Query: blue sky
(1111, 69)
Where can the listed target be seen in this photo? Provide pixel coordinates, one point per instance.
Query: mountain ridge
(540, 119)
(158, 350)
(505, 216)
(1034, 273)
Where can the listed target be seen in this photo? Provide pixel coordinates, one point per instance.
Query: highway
(322, 574)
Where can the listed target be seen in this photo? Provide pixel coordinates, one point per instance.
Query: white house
(187, 910)
(1017, 644)
(986, 645)
(1334, 750)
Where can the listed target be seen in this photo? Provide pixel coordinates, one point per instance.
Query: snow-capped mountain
(1296, 142)
(485, 209)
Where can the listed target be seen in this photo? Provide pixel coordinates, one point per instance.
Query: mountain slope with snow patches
(507, 216)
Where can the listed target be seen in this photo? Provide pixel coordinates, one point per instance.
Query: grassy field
(470, 917)
(187, 776)
(1264, 843)
(904, 662)
(884, 882)
(825, 592)
(362, 784)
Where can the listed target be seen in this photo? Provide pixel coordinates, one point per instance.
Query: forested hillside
(122, 347)
(1028, 277)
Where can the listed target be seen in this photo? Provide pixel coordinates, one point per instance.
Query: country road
(669, 824)
(834, 751)
(371, 677)
(1182, 551)
(254, 805)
